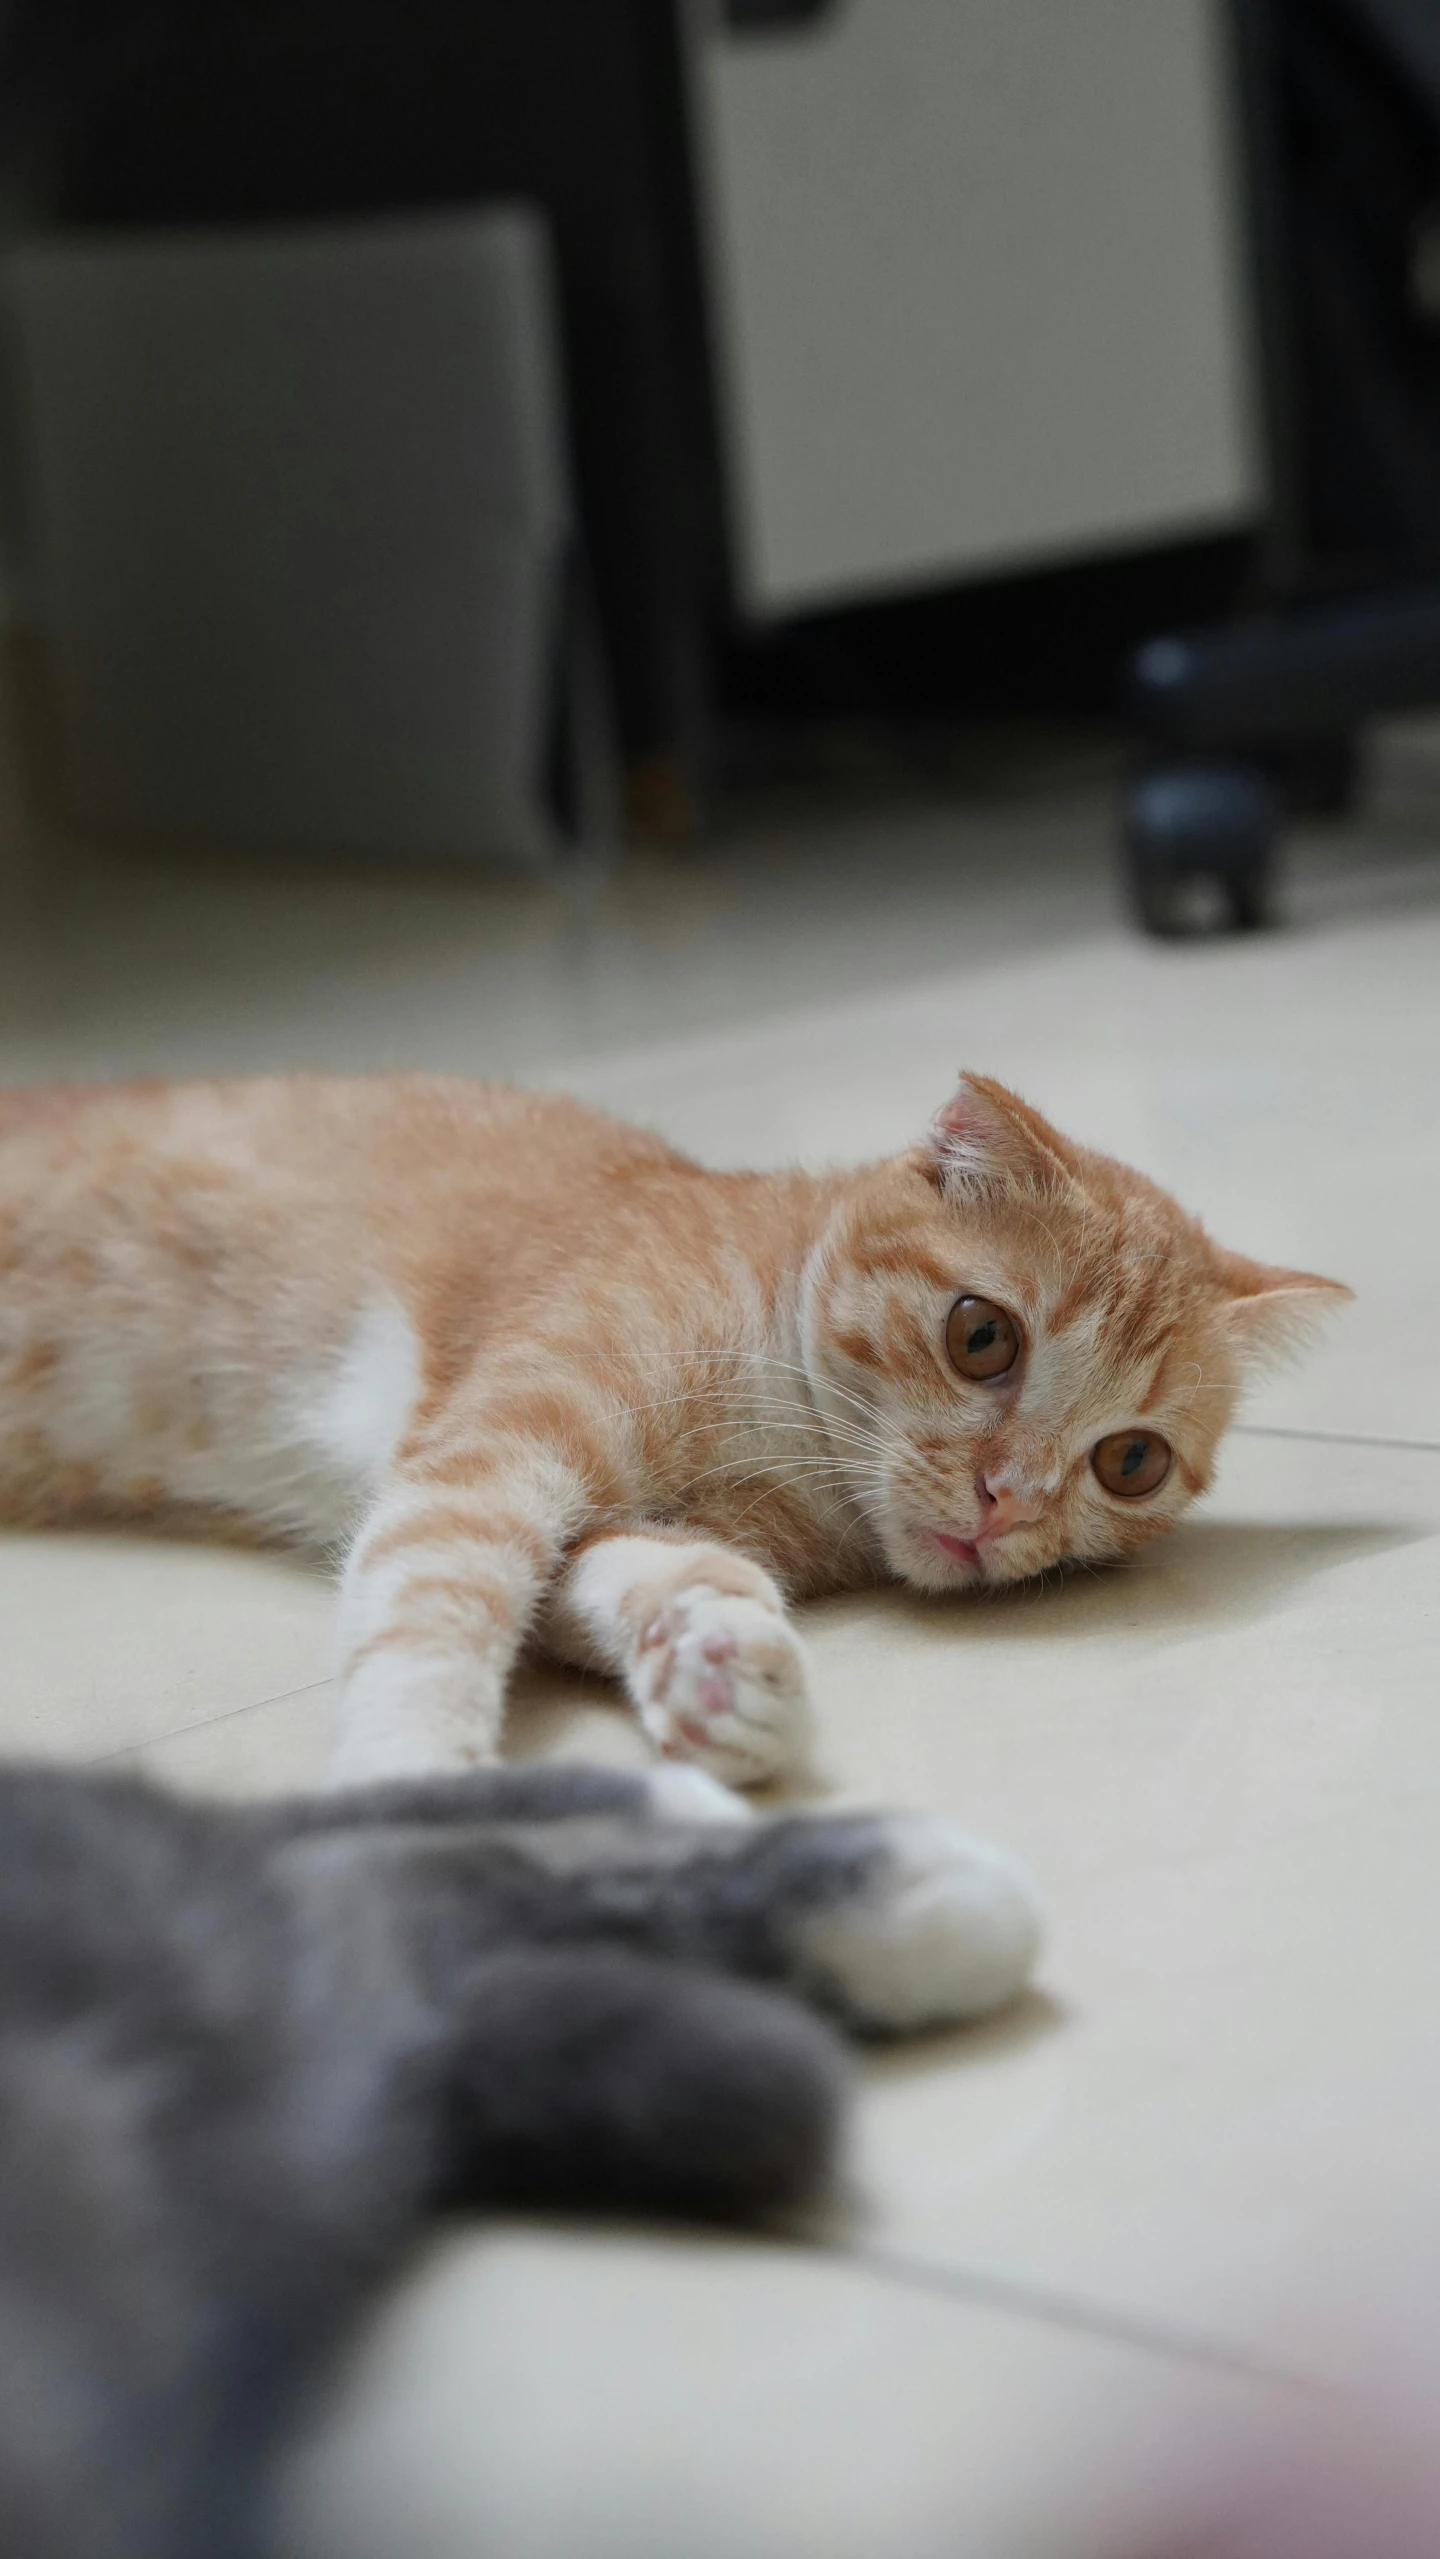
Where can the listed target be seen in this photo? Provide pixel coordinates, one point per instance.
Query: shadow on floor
(1028, 2021)
(1214, 1573)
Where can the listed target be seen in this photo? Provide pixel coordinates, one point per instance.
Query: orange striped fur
(540, 1378)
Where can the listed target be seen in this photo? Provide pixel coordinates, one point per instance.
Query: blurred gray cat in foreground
(244, 2051)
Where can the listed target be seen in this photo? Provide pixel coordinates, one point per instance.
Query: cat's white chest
(361, 1408)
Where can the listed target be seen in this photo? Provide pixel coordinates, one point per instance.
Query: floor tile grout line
(1038, 2304)
(1333, 1439)
(203, 1723)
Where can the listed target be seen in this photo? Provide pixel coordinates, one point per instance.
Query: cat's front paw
(724, 1681)
(935, 1927)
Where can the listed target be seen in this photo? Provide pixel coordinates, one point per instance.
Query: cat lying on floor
(244, 2051)
(548, 1380)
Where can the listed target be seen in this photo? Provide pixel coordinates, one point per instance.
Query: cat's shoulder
(456, 1112)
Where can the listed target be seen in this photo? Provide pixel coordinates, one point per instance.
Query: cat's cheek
(1110, 1537)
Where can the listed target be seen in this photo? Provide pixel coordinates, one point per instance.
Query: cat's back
(398, 1131)
(356, 1175)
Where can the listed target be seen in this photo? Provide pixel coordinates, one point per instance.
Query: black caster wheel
(1317, 777)
(1199, 844)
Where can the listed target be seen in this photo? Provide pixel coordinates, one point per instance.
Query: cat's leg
(551, 1791)
(893, 1921)
(593, 2076)
(438, 1593)
(699, 1635)
(562, 1790)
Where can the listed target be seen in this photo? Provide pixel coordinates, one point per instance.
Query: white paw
(723, 1681)
(681, 1792)
(947, 1928)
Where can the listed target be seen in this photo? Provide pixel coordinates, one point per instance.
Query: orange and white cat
(546, 1380)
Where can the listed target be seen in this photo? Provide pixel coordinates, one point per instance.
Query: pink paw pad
(721, 1679)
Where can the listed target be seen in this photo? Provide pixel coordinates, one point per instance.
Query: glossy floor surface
(1199, 2162)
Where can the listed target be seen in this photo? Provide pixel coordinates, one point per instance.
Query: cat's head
(1027, 1353)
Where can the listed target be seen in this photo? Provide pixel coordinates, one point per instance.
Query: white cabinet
(977, 285)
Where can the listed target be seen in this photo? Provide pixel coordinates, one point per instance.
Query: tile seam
(1049, 2306)
(201, 1723)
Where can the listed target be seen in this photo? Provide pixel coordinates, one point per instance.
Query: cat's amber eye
(1131, 1463)
(981, 1340)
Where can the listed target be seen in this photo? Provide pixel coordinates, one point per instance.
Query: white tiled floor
(1217, 2118)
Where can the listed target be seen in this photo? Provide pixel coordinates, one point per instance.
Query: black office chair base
(1247, 725)
(1318, 776)
(1200, 848)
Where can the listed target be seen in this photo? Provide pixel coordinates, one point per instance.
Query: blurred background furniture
(905, 345)
(240, 115)
(984, 369)
(305, 554)
(1245, 723)
(923, 357)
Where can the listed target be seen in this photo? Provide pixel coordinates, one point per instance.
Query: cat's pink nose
(1006, 1507)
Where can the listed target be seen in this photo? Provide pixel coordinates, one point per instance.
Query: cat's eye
(981, 1340)
(1131, 1463)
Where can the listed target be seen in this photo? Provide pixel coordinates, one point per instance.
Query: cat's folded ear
(985, 1139)
(1271, 1313)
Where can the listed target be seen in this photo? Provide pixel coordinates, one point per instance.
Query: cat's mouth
(966, 1550)
(980, 1554)
(941, 1559)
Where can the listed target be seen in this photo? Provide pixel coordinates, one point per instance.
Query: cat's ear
(985, 1138)
(1270, 1313)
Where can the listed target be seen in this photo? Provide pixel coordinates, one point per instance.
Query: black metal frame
(239, 112)
(1239, 724)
